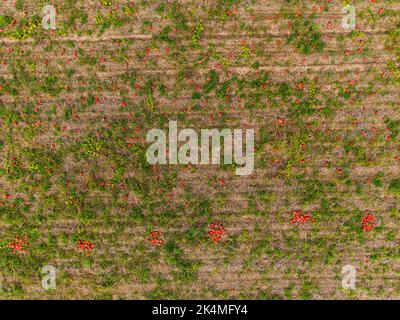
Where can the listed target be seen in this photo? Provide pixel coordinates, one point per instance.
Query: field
(76, 190)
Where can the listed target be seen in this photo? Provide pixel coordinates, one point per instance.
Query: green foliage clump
(5, 21)
(212, 81)
(91, 147)
(306, 37)
(197, 33)
(395, 186)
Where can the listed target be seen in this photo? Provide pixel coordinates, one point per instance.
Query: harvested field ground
(76, 104)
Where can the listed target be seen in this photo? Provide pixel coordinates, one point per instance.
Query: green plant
(306, 37)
